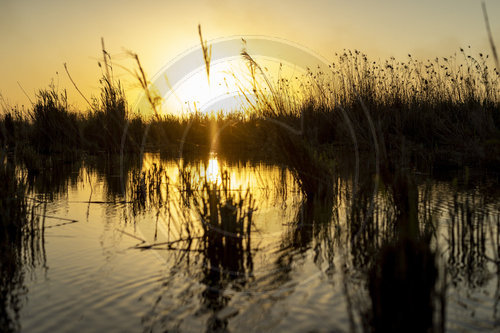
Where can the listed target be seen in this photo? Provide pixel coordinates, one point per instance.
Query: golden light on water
(213, 172)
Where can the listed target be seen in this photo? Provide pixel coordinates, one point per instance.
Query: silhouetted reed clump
(55, 129)
(109, 126)
(443, 111)
(226, 244)
(214, 232)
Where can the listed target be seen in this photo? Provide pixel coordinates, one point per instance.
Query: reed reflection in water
(395, 239)
(21, 242)
(236, 241)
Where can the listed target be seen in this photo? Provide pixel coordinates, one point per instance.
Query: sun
(230, 87)
(240, 70)
(221, 91)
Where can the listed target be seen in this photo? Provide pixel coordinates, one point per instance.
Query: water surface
(129, 245)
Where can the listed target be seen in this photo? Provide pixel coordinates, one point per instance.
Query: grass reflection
(386, 239)
(21, 242)
(398, 243)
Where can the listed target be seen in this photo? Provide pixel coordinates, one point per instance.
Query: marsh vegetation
(373, 197)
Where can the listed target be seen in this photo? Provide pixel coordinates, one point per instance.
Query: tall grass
(55, 130)
(443, 111)
(432, 105)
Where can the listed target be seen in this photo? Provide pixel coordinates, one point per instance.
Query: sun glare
(229, 88)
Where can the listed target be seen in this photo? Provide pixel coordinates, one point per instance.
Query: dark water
(119, 250)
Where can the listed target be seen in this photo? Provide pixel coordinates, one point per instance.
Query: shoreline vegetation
(445, 112)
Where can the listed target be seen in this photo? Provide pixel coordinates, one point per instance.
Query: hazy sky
(37, 36)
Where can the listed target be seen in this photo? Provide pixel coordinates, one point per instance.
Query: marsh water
(129, 245)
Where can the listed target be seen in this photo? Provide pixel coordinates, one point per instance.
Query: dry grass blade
(76, 87)
(490, 36)
(259, 93)
(153, 98)
(105, 57)
(207, 53)
(24, 92)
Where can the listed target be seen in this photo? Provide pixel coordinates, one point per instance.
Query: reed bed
(443, 111)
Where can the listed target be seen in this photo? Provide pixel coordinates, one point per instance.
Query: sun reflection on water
(213, 173)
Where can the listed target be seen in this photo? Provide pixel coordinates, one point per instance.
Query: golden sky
(37, 37)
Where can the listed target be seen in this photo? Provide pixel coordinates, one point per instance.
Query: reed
(425, 108)
(55, 129)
